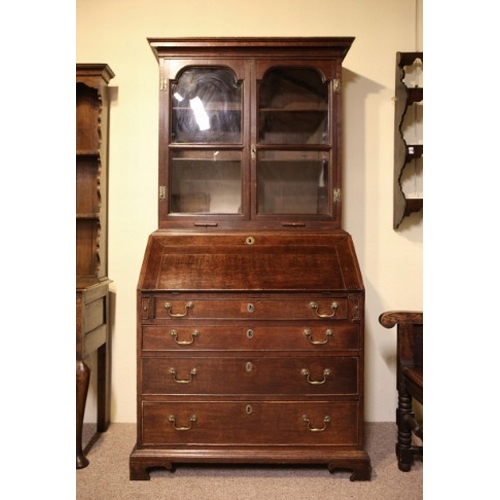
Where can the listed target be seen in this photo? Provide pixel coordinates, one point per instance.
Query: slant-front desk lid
(290, 260)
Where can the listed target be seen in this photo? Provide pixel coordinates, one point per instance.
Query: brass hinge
(163, 84)
(336, 195)
(336, 85)
(163, 191)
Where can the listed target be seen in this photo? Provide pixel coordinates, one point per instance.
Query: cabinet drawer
(251, 423)
(337, 336)
(94, 314)
(251, 308)
(250, 375)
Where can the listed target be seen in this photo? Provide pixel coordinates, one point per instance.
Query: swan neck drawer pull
(308, 335)
(305, 372)
(192, 374)
(175, 336)
(168, 307)
(334, 306)
(326, 421)
(192, 421)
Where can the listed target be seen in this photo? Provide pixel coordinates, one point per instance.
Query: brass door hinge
(163, 191)
(336, 85)
(163, 84)
(336, 195)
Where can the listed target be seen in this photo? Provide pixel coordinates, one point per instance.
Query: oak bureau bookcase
(250, 301)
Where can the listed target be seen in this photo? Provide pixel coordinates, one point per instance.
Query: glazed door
(295, 142)
(203, 132)
(249, 140)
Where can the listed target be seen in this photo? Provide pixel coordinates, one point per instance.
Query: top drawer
(309, 307)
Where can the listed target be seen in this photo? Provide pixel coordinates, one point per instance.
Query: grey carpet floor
(107, 476)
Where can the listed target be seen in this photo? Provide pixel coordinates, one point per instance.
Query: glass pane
(207, 181)
(206, 106)
(293, 107)
(292, 182)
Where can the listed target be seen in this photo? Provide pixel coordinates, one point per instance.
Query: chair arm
(392, 318)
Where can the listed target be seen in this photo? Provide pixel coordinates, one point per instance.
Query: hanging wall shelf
(408, 144)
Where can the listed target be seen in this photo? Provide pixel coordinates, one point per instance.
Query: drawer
(334, 336)
(94, 314)
(250, 375)
(279, 307)
(251, 423)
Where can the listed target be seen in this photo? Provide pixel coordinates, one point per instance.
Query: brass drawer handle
(192, 421)
(308, 335)
(175, 336)
(326, 421)
(326, 372)
(192, 374)
(334, 306)
(168, 307)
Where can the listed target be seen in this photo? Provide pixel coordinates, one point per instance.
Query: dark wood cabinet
(250, 318)
(92, 282)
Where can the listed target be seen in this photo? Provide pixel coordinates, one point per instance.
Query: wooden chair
(410, 380)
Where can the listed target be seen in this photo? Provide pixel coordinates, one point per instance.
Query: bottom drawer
(251, 423)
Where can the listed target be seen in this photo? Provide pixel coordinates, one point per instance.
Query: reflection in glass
(206, 181)
(293, 107)
(292, 182)
(206, 106)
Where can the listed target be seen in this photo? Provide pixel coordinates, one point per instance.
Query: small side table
(92, 333)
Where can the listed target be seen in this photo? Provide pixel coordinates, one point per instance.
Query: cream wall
(115, 32)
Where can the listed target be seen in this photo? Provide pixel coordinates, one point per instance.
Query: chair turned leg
(82, 387)
(404, 450)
